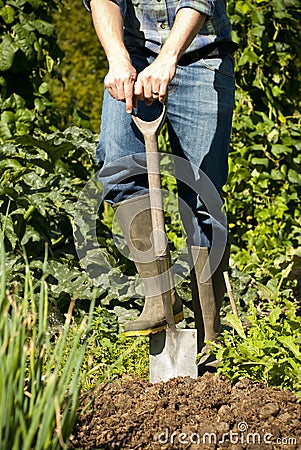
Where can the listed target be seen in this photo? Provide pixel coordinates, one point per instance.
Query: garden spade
(172, 351)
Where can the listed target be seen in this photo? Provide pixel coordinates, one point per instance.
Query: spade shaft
(172, 351)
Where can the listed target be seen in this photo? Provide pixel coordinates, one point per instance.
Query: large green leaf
(8, 50)
(42, 27)
(7, 13)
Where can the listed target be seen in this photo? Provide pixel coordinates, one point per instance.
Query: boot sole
(178, 318)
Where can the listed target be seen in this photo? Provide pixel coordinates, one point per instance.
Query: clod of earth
(206, 413)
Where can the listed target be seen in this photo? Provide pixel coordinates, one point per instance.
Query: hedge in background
(264, 185)
(28, 52)
(78, 90)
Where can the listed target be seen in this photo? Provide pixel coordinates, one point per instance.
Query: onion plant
(39, 383)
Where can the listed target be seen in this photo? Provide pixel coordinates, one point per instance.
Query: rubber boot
(134, 218)
(208, 290)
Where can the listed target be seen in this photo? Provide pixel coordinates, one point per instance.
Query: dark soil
(207, 413)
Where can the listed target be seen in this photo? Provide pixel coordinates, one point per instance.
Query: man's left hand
(152, 83)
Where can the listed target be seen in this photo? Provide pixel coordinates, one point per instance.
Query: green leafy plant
(263, 188)
(28, 51)
(41, 179)
(267, 349)
(39, 386)
(109, 354)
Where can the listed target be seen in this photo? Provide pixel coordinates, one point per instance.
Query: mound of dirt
(206, 413)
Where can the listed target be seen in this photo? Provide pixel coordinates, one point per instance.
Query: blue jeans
(199, 119)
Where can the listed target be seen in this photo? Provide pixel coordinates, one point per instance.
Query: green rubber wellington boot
(208, 290)
(134, 218)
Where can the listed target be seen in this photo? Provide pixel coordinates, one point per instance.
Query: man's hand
(108, 23)
(152, 83)
(120, 82)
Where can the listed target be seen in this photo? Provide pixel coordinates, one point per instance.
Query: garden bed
(207, 413)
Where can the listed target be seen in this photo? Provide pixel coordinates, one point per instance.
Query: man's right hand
(120, 82)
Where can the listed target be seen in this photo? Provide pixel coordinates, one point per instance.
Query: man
(184, 48)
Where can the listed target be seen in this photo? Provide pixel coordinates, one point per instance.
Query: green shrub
(40, 181)
(78, 90)
(263, 189)
(109, 354)
(267, 349)
(28, 52)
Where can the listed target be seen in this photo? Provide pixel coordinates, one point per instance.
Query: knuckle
(108, 83)
(138, 88)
